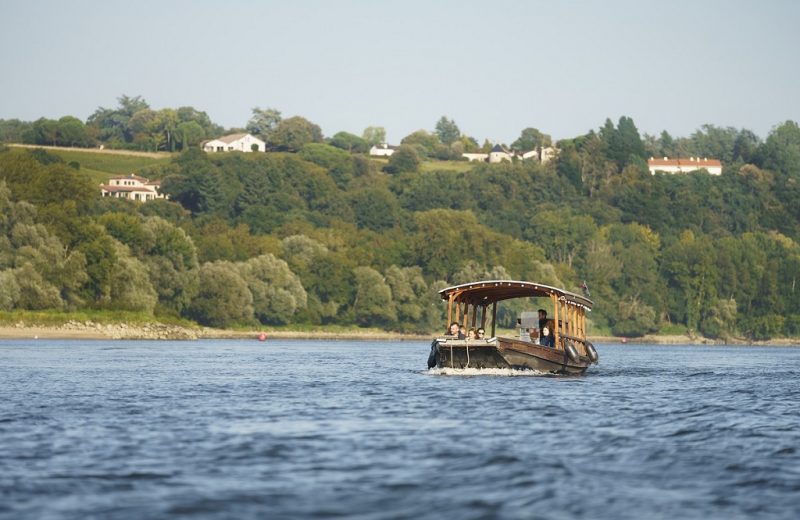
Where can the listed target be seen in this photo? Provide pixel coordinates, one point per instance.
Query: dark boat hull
(504, 353)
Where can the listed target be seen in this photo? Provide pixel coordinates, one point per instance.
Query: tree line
(318, 233)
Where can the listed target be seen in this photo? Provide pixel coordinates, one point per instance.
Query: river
(239, 429)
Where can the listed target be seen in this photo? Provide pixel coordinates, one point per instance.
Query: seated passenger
(472, 334)
(547, 339)
(453, 330)
(481, 333)
(462, 332)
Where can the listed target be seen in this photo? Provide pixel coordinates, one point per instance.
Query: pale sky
(494, 67)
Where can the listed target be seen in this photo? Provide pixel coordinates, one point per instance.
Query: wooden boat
(475, 304)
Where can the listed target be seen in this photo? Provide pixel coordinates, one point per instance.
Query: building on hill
(383, 150)
(500, 153)
(132, 188)
(667, 165)
(235, 143)
(476, 157)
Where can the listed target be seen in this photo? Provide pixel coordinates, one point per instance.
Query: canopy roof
(490, 291)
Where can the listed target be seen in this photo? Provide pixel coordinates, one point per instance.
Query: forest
(317, 232)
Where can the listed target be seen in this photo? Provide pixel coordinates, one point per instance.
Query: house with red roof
(132, 187)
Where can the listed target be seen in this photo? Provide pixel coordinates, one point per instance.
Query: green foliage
(633, 318)
(350, 142)
(374, 135)
(404, 159)
(447, 131)
(531, 139)
(263, 122)
(293, 133)
(373, 303)
(223, 299)
(338, 163)
(277, 291)
(321, 236)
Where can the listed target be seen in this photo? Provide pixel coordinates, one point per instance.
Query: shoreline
(158, 331)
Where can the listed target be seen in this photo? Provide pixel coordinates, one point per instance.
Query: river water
(320, 429)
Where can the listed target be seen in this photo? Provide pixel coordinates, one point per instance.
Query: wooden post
(555, 319)
(483, 316)
(494, 318)
(449, 312)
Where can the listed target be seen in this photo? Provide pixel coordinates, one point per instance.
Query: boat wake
(504, 372)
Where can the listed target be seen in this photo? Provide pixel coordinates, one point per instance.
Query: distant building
(667, 165)
(382, 150)
(500, 153)
(476, 157)
(132, 188)
(235, 143)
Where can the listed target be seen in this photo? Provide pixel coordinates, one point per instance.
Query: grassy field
(101, 165)
(432, 165)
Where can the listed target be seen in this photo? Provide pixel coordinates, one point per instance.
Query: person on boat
(462, 332)
(481, 333)
(454, 330)
(542, 318)
(472, 334)
(546, 339)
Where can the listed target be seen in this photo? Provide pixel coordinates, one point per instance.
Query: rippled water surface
(316, 429)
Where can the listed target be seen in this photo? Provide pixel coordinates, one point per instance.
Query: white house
(235, 143)
(667, 165)
(476, 157)
(500, 153)
(132, 188)
(382, 150)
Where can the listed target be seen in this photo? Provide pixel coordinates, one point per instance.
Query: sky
(495, 68)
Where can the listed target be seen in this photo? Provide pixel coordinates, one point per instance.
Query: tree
(337, 162)
(633, 318)
(293, 133)
(277, 291)
(404, 159)
(531, 139)
(263, 122)
(373, 303)
(374, 135)
(71, 132)
(223, 298)
(351, 143)
(447, 131)
(190, 134)
(423, 142)
(130, 288)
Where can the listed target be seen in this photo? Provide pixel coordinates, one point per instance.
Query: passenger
(542, 322)
(546, 339)
(453, 330)
(481, 333)
(462, 332)
(472, 334)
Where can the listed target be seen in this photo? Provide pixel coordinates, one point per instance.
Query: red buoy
(262, 336)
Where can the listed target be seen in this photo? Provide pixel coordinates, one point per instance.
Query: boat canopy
(487, 292)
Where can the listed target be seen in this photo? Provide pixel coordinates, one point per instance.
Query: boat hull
(504, 353)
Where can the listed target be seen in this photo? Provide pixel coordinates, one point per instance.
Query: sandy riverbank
(92, 330)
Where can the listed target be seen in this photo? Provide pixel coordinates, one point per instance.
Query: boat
(474, 305)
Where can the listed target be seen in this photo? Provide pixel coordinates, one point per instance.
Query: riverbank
(158, 331)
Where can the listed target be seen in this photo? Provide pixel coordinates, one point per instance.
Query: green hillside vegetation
(317, 233)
